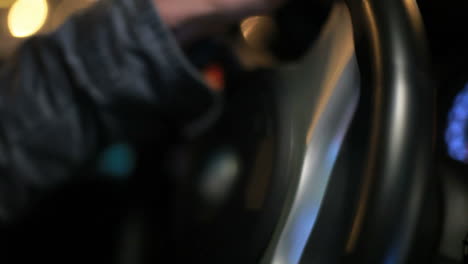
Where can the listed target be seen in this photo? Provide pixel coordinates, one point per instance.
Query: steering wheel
(326, 160)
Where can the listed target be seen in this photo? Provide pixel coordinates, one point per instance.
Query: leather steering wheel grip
(391, 46)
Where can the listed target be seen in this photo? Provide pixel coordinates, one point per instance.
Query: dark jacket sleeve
(111, 73)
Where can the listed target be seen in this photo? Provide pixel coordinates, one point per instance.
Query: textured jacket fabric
(112, 73)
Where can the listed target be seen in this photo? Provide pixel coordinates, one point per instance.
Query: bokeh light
(118, 161)
(455, 135)
(26, 17)
(256, 30)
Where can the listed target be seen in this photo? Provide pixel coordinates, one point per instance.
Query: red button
(214, 77)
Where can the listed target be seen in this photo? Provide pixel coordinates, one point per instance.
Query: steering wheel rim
(400, 153)
(397, 166)
(389, 37)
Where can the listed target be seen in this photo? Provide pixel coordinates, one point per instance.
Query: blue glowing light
(117, 161)
(455, 135)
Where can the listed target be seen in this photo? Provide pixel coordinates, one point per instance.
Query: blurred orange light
(257, 30)
(214, 77)
(249, 24)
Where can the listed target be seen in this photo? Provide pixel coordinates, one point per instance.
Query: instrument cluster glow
(456, 135)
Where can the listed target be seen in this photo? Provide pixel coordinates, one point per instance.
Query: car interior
(341, 137)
